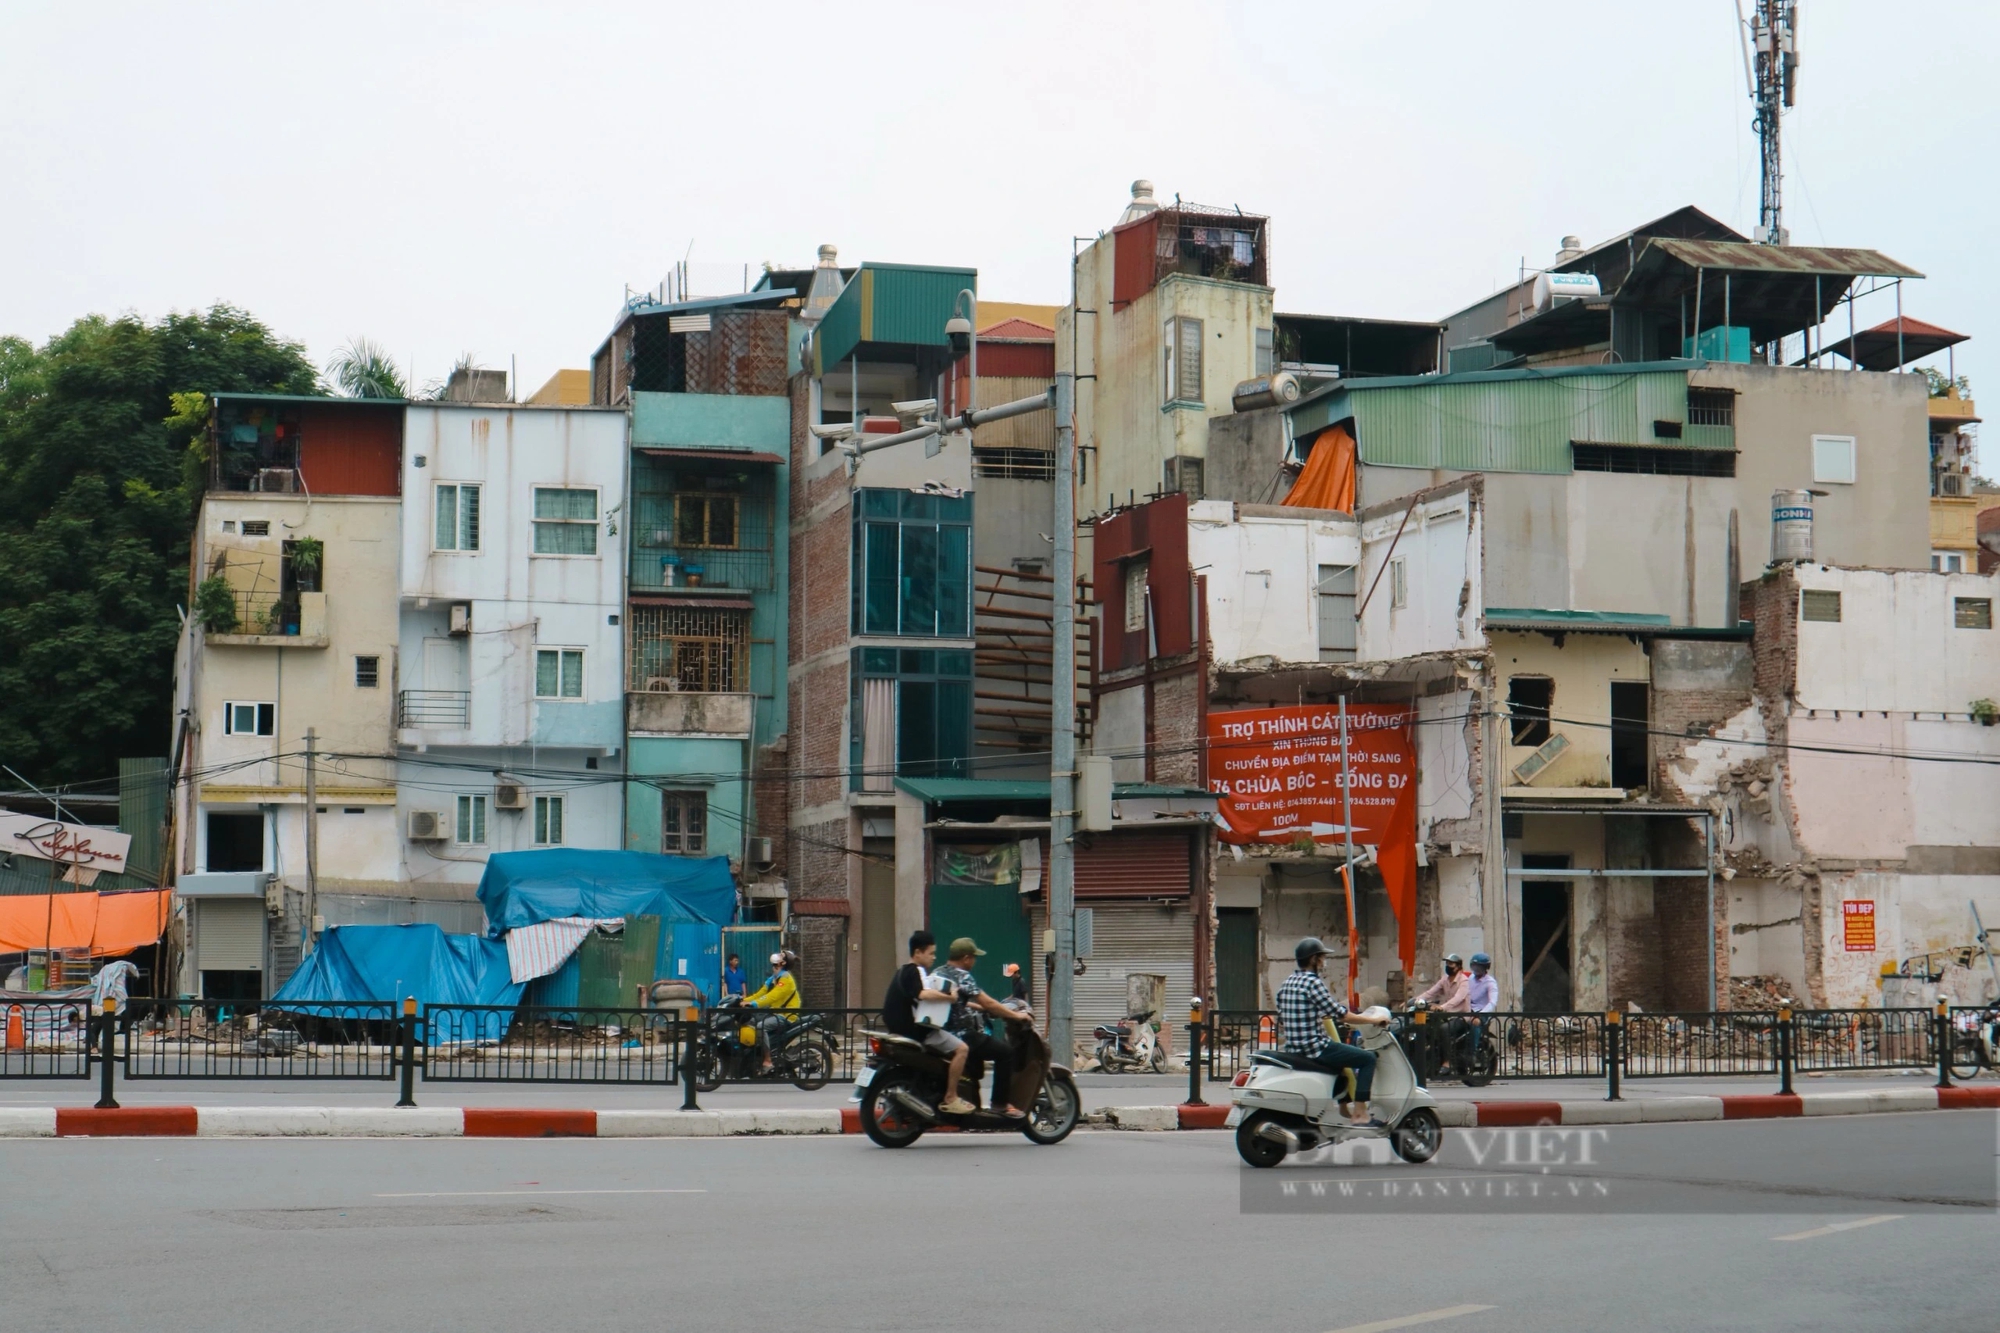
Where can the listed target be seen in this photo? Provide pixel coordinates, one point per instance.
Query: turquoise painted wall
(713, 421)
(707, 765)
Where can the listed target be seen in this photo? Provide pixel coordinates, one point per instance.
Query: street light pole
(1062, 711)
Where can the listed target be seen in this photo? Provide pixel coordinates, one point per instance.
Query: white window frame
(1266, 352)
(458, 489)
(1853, 469)
(683, 795)
(1399, 583)
(548, 820)
(1136, 572)
(472, 810)
(596, 516)
(582, 672)
(1176, 386)
(263, 718)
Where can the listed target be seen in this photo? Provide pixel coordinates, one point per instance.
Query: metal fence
(45, 1038)
(1542, 1045)
(1698, 1045)
(1830, 1039)
(474, 1043)
(223, 1039)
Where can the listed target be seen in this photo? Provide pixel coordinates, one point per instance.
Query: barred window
(690, 648)
(1711, 407)
(683, 822)
(705, 520)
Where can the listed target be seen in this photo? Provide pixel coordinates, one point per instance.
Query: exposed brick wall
(818, 859)
(1680, 909)
(773, 792)
(821, 942)
(742, 353)
(1174, 758)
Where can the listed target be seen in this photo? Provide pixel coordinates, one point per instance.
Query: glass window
(1820, 604)
(457, 517)
(683, 823)
(913, 575)
(241, 719)
(1266, 352)
(565, 521)
(548, 821)
(705, 520)
(559, 673)
(919, 700)
(471, 820)
(1135, 596)
(1183, 360)
(1833, 459)
(1972, 612)
(1529, 699)
(367, 672)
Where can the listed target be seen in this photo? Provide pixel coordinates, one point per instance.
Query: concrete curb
(41, 1122)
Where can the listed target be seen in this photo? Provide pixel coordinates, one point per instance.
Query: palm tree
(362, 369)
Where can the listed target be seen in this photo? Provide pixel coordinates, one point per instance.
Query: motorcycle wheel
(1054, 1113)
(1968, 1055)
(1417, 1135)
(1253, 1147)
(882, 1120)
(707, 1070)
(811, 1065)
(1161, 1059)
(1105, 1058)
(1479, 1070)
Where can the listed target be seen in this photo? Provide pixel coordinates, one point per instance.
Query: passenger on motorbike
(969, 1000)
(1304, 1005)
(1447, 994)
(908, 988)
(781, 991)
(1482, 996)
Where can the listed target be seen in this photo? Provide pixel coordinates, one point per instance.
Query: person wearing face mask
(781, 991)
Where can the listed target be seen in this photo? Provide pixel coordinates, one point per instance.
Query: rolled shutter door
(1131, 937)
(1135, 865)
(230, 935)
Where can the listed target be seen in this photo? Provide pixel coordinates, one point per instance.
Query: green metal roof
(1606, 622)
(946, 790)
(1581, 619)
(900, 304)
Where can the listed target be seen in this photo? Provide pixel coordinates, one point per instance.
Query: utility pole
(1062, 709)
(312, 834)
(1771, 67)
(1347, 869)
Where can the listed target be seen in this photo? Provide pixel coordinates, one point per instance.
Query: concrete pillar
(911, 871)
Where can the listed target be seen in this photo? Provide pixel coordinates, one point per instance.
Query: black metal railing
(1844, 1039)
(473, 1043)
(446, 709)
(45, 1038)
(220, 1039)
(1542, 1045)
(1700, 1045)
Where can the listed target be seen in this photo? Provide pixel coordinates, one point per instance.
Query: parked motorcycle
(800, 1052)
(1282, 1105)
(1130, 1045)
(902, 1087)
(1459, 1046)
(1975, 1042)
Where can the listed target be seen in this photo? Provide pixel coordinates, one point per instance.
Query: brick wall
(1174, 758)
(1680, 909)
(742, 353)
(821, 942)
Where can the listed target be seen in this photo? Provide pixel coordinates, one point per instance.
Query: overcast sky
(489, 177)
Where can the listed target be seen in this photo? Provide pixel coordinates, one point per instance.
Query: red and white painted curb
(476, 1122)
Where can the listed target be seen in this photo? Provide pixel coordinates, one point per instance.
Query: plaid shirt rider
(1303, 1001)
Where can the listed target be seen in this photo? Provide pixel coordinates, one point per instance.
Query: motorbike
(1282, 1105)
(902, 1087)
(1464, 1042)
(1975, 1042)
(1132, 1044)
(800, 1052)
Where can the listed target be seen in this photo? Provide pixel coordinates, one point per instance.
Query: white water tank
(1552, 287)
(1265, 391)
(1791, 527)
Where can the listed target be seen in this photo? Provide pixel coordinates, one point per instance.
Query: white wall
(1860, 806)
(1439, 547)
(1895, 647)
(1263, 577)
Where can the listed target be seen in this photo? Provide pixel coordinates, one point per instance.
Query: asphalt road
(1106, 1231)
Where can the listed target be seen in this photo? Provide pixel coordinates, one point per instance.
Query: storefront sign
(1857, 921)
(74, 846)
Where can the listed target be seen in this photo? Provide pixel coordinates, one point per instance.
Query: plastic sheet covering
(389, 963)
(1328, 479)
(525, 888)
(104, 923)
(537, 950)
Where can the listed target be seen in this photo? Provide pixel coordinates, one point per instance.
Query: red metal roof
(1022, 329)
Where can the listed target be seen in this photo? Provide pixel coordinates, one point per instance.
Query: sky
(490, 178)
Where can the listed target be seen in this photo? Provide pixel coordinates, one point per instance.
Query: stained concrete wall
(1263, 574)
(1851, 665)
(1582, 669)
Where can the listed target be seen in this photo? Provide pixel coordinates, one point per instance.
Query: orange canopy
(1328, 479)
(104, 923)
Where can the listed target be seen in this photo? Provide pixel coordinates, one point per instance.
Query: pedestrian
(734, 983)
(1018, 979)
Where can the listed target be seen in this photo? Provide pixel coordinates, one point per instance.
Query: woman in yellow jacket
(781, 991)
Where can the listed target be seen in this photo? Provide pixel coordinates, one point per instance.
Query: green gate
(993, 914)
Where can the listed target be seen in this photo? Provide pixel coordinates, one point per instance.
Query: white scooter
(1281, 1105)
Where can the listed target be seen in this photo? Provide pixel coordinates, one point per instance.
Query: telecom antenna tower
(1771, 67)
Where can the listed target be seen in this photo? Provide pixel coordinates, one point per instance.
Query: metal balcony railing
(436, 709)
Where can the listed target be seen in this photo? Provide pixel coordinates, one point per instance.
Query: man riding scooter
(1447, 995)
(1304, 1005)
(1482, 996)
(965, 1023)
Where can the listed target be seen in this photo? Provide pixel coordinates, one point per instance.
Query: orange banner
(104, 923)
(1276, 775)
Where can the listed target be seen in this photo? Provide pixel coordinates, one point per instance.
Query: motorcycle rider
(1447, 995)
(966, 1025)
(780, 991)
(908, 988)
(1482, 996)
(1304, 1004)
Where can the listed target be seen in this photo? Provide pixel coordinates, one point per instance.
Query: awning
(1878, 348)
(104, 923)
(713, 455)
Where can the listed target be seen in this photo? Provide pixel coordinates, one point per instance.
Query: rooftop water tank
(1791, 527)
(1552, 287)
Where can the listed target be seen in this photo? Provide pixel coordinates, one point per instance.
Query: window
(1336, 613)
(1529, 699)
(912, 564)
(457, 517)
(1711, 407)
(1135, 596)
(256, 527)
(1267, 359)
(1183, 475)
(1972, 612)
(1833, 459)
(565, 521)
(548, 821)
(558, 673)
(690, 648)
(683, 823)
(1183, 356)
(1666, 461)
(1947, 562)
(1820, 604)
(471, 820)
(367, 672)
(705, 520)
(249, 719)
(1399, 583)
(912, 714)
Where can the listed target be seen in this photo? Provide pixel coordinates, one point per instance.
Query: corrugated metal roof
(944, 790)
(1745, 257)
(903, 304)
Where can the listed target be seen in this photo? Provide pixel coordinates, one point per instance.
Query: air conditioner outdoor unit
(277, 480)
(461, 617)
(760, 853)
(1951, 483)
(429, 826)
(510, 796)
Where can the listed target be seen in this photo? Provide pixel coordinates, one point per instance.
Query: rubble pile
(1765, 993)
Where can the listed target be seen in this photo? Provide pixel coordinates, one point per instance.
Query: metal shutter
(229, 935)
(1134, 865)
(1131, 937)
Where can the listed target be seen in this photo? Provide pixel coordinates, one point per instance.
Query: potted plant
(1987, 711)
(308, 553)
(215, 605)
(693, 573)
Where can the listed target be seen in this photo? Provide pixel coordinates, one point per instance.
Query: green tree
(101, 471)
(362, 369)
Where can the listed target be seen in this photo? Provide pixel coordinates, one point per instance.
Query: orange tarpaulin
(104, 923)
(1328, 479)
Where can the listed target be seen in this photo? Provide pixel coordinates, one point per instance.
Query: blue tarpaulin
(522, 888)
(388, 963)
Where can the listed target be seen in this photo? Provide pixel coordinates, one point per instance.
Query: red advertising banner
(1276, 775)
(1857, 922)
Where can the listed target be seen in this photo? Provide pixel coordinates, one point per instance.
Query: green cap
(962, 946)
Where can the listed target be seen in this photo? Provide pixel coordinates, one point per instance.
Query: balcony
(268, 619)
(433, 710)
(702, 525)
(683, 713)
